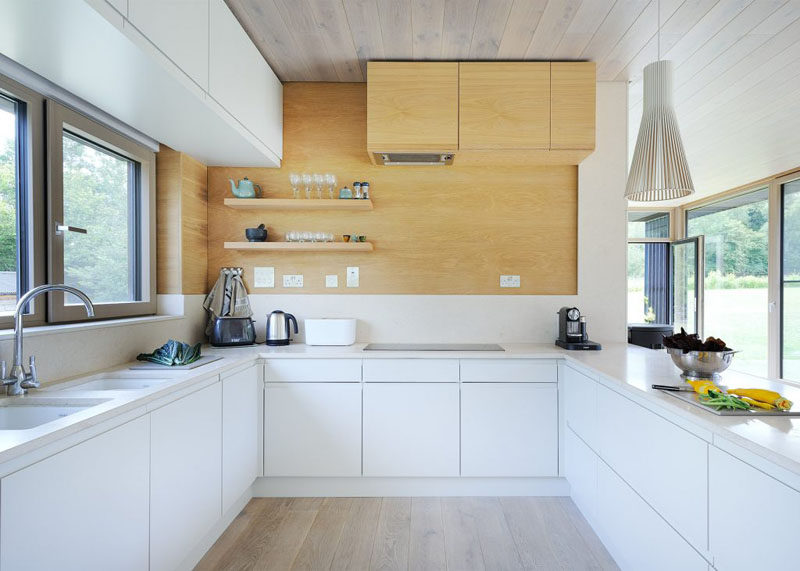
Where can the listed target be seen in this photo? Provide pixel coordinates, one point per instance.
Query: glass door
(686, 263)
(790, 281)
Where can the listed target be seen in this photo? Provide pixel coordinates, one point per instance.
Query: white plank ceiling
(737, 62)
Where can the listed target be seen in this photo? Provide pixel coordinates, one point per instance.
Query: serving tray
(692, 398)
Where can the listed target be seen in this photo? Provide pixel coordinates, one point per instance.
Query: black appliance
(232, 332)
(650, 335)
(572, 331)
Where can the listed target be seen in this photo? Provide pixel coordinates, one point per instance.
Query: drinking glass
(305, 236)
(291, 236)
(330, 180)
(307, 184)
(319, 237)
(294, 180)
(318, 182)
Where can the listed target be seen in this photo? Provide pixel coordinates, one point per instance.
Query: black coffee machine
(572, 331)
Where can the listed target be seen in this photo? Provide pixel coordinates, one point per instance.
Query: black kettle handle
(290, 317)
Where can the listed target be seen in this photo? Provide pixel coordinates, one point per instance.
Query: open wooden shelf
(299, 203)
(301, 246)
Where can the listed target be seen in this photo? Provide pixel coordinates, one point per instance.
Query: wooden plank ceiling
(737, 81)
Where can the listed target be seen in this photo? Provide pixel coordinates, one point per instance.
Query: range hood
(413, 159)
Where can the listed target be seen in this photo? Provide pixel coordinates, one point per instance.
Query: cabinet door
(573, 105)
(504, 105)
(412, 106)
(411, 429)
(752, 516)
(84, 508)
(241, 81)
(635, 535)
(580, 469)
(185, 475)
(179, 28)
(312, 429)
(509, 429)
(241, 405)
(580, 404)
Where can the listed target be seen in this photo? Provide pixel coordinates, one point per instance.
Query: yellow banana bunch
(763, 396)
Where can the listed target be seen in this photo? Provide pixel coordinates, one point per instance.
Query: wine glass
(330, 180)
(307, 184)
(294, 180)
(318, 182)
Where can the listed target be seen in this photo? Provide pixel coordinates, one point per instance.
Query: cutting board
(155, 366)
(692, 398)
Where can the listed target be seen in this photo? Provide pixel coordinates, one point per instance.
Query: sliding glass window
(790, 281)
(736, 303)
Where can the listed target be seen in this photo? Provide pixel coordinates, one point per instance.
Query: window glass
(648, 224)
(791, 280)
(99, 197)
(8, 205)
(736, 259)
(648, 283)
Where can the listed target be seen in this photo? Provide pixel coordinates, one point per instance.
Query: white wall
(512, 318)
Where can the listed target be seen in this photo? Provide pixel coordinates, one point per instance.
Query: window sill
(35, 331)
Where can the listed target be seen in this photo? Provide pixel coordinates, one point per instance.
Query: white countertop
(630, 369)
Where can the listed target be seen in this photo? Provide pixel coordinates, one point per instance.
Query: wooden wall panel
(436, 230)
(168, 215)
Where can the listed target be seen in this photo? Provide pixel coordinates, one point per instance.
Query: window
(790, 281)
(648, 266)
(90, 225)
(735, 295)
(648, 224)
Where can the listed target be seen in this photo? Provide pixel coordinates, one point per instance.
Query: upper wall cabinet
(572, 105)
(412, 106)
(176, 26)
(504, 105)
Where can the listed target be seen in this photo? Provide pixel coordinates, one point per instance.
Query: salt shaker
(356, 189)
(365, 190)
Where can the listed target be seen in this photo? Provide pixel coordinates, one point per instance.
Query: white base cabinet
(312, 429)
(241, 411)
(411, 429)
(509, 429)
(83, 508)
(185, 478)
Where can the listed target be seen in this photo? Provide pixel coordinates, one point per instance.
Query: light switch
(509, 281)
(352, 276)
(332, 280)
(264, 277)
(293, 280)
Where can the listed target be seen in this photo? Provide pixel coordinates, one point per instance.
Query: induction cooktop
(433, 347)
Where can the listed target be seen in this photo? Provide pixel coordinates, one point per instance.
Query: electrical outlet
(332, 280)
(293, 280)
(509, 281)
(264, 277)
(352, 276)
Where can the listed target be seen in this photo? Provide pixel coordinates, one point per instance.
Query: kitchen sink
(116, 384)
(30, 412)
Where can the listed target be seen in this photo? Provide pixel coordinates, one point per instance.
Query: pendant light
(659, 170)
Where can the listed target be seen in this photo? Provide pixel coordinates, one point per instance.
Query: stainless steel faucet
(19, 381)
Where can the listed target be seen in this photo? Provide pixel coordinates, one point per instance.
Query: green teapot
(245, 188)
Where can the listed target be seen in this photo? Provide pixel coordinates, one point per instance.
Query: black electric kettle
(278, 330)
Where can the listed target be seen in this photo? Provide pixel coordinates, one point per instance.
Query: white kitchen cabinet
(312, 429)
(752, 516)
(185, 475)
(83, 508)
(509, 371)
(120, 6)
(665, 464)
(411, 429)
(635, 535)
(179, 29)
(509, 429)
(241, 81)
(580, 404)
(580, 467)
(411, 371)
(241, 408)
(312, 370)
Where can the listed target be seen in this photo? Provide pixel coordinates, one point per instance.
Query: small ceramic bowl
(256, 234)
(345, 237)
(362, 238)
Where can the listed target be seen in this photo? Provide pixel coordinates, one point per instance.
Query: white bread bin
(330, 331)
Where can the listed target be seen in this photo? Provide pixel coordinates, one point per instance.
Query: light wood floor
(458, 534)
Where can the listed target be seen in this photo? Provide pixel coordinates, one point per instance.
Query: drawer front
(581, 405)
(411, 370)
(509, 371)
(313, 370)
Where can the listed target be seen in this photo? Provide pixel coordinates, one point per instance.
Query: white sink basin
(30, 412)
(117, 384)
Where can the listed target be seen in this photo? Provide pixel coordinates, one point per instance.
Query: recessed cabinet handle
(61, 228)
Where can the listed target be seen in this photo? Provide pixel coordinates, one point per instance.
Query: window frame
(59, 120)
(778, 308)
(31, 205)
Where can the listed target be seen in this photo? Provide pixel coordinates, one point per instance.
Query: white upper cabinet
(120, 6)
(241, 81)
(179, 28)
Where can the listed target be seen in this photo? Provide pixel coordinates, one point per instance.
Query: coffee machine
(572, 331)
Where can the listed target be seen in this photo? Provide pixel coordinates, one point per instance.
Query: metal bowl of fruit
(698, 359)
